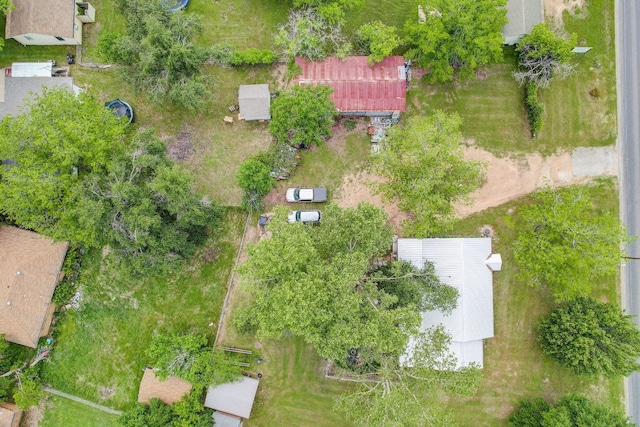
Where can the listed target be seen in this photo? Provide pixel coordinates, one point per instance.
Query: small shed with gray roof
(522, 16)
(232, 401)
(466, 264)
(254, 102)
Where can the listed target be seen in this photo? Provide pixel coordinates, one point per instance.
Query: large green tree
(72, 172)
(566, 243)
(303, 115)
(457, 38)
(150, 213)
(425, 171)
(591, 337)
(50, 150)
(159, 54)
(187, 356)
(377, 40)
(411, 394)
(573, 410)
(5, 7)
(309, 34)
(542, 54)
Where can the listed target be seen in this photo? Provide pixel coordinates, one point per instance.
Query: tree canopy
(56, 144)
(303, 115)
(377, 40)
(316, 283)
(158, 52)
(425, 171)
(542, 54)
(565, 243)
(187, 356)
(411, 394)
(254, 177)
(573, 410)
(75, 174)
(312, 35)
(591, 337)
(457, 38)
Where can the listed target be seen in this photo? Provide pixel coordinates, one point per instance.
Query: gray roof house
(24, 80)
(232, 402)
(466, 264)
(522, 16)
(254, 102)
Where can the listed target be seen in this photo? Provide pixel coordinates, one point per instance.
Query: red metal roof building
(359, 88)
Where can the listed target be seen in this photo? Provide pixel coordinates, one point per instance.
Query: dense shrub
(253, 56)
(534, 108)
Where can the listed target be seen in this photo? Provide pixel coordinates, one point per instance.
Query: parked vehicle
(315, 195)
(305, 217)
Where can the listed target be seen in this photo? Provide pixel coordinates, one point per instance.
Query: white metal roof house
(522, 16)
(254, 102)
(466, 264)
(232, 402)
(48, 22)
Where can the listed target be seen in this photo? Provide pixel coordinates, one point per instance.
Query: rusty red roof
(358, 86)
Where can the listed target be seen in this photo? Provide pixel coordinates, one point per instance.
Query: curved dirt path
(508, 178)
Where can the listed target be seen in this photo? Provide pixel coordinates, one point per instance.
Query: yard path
(81, 400)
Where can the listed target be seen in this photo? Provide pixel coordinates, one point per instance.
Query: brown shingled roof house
(48, 22)
(29, 272)
(169, 391)
(10, 415)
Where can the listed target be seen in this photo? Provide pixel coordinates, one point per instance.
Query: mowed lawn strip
(61, 412)
(514, 366)
(99, 349)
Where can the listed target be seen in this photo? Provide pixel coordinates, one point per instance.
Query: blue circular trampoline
(121, 109)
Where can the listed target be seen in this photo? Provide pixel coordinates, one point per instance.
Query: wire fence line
(231, 279)
(81, 400)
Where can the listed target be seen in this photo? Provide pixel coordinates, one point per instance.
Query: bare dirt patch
(106, 392)
(358, 188)
(180, 148)
(553, 9)
(32, 416)
(509, 178)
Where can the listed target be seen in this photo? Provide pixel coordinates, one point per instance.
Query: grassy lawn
(65, 412)
(493, 110)
(99, 350)
(99, 353)
(514, 365)
(293, 390)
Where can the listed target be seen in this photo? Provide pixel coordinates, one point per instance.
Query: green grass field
(99, 349)
(492, 107)
(514, 365)
(64, 412)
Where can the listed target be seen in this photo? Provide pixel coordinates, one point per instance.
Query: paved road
(628, 76)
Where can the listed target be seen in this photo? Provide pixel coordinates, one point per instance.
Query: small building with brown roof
(169, 391)
(29, 273)
(359, 89)
(10, 415)
(48, 22)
